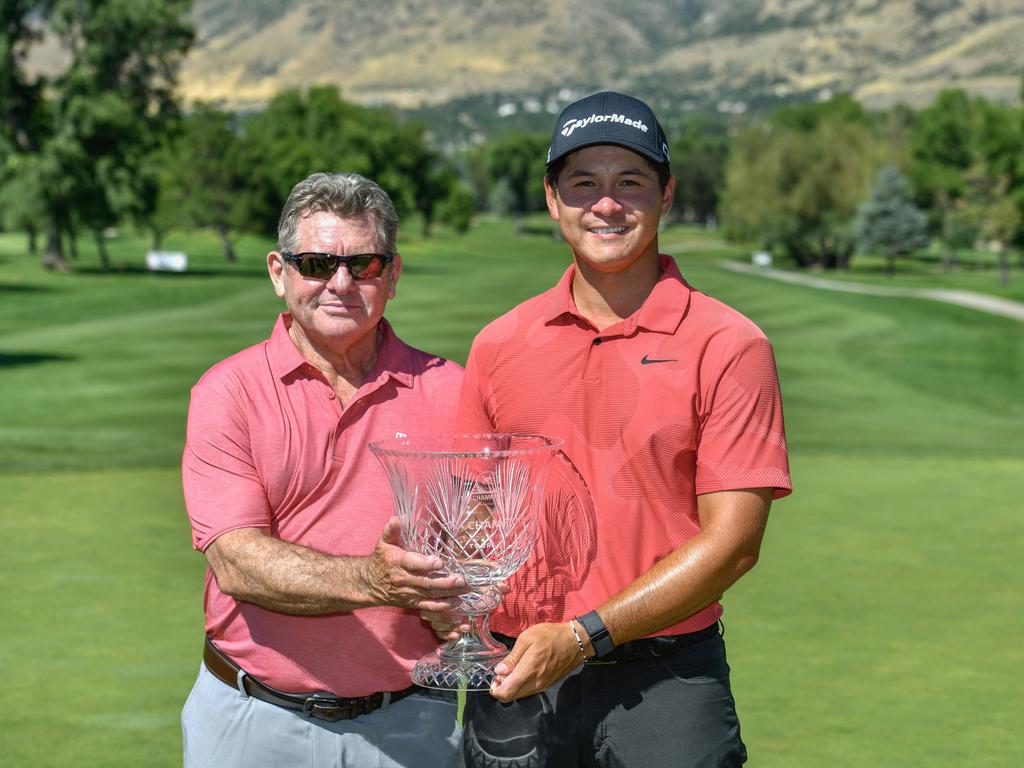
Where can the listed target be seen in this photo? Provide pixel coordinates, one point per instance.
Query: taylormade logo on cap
(609, 118)
(572, 125)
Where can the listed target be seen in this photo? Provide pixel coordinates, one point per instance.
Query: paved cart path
(979, 301)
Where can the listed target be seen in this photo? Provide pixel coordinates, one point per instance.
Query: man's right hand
(253, 566)
(395, 576)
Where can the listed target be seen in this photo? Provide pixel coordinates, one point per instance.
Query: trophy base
(448, 674)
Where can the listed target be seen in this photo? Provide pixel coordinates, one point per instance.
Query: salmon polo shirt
(677, 400)
(270, 446)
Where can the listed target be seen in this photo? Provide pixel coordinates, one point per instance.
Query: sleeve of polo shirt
(223, 490)
(473, 415)
(742, 437)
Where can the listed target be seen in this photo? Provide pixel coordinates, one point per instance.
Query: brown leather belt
(325, 706)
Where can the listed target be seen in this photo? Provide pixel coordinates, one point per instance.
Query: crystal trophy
(474, 501)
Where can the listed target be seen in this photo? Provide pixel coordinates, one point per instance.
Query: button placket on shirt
(592, 370)
(337, 445)
(598, 349)
(350, 413)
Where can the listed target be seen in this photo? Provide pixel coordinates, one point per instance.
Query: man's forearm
(694, 575)
(286, 577)
(678, 586)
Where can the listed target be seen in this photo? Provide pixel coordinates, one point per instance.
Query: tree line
(107, 143)
(820, 182)
(816, 183)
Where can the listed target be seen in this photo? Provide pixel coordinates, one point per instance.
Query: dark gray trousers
(662, 707)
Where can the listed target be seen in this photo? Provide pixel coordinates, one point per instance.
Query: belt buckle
(599, 662)
(325, 706)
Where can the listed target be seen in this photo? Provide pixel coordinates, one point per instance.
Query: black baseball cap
(609, 118)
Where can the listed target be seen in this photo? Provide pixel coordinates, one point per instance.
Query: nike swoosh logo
(647, 360)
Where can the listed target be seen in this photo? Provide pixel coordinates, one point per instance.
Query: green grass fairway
(884, 625)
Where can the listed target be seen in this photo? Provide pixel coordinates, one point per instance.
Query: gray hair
(346, 195)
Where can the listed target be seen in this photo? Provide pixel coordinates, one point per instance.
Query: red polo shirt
(679, 399)
(269, 446)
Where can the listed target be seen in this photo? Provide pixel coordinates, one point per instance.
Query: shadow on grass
(10, 360)
(24, 288)
(137, 269)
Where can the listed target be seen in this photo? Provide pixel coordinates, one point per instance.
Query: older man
(311, 604)
(669, 406)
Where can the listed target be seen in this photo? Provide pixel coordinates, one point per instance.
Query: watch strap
(599, 636)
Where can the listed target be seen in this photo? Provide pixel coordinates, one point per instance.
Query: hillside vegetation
(699, 52)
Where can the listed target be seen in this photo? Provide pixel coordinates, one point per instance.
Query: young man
(310, 609)
(669, 405)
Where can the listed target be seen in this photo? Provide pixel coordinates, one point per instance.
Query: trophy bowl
(474, 501)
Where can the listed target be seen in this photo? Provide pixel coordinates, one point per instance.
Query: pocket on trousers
(497, 735)
(700, 664)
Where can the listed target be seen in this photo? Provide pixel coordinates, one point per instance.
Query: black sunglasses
(322, 266)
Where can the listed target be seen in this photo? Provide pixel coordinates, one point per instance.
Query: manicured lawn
(882, 626)
(102, 618)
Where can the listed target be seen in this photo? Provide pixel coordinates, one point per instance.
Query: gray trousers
(224, 728)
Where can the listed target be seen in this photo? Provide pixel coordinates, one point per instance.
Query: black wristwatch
(599, 637)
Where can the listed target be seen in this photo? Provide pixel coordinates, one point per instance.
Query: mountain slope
(420, 52)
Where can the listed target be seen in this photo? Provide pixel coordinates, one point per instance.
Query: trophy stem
(468, 662)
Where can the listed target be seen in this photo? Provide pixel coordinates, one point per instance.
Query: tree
(996, 214)
(960, 232)
(967, 168)
(995, 182)
(700, 150)
(303, 132)
(888, 222)
(794, 181)
(206, 182)
(471, 165)
(19, 97)
(405, 164)
(22, 206)
(940, 154)
(82, 134)
(457, 209)
(940, 147)
(154, 179)
(518, 161)
(20, 191)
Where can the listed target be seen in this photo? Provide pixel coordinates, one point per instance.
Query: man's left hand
(451, 624)
(447, 625)
(543, 655)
